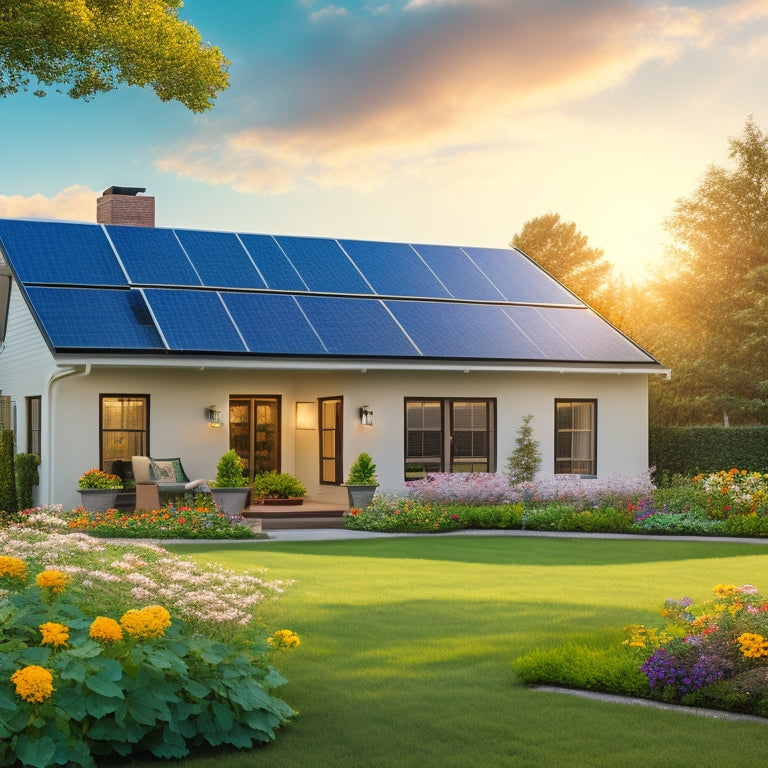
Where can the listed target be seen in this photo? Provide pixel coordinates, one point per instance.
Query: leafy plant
(98, 479)
(8, 501)
(525, 460)
(277, 485)
(229, 471)
(397, 514)
(362, 471)
(25, 465)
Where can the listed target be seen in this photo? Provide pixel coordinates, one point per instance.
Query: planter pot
(360, 496)
(230, 501)
(293, 501)
(98, 499)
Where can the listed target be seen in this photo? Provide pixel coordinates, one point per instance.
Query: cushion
(169, 471)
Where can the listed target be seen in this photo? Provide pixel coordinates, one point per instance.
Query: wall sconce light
(366, 416)
(306, 415)
(213, 414)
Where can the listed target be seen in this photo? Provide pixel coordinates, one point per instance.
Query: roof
(107, 289)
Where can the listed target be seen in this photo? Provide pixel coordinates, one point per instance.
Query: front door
(254, 431)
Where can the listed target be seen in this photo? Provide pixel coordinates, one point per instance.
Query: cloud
(365, 96)
(76, 203)
(327, 12)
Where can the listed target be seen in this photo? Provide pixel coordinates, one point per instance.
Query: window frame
(33, 406)
(561, 460)
(338, 440)
(124, 395)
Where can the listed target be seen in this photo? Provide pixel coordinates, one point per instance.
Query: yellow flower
(56, 581)
(34, 684)
(105, 630)
(723, 590)
(54, 634)
(285, 638)
(752, 646)
(13, 567)
(148, 622)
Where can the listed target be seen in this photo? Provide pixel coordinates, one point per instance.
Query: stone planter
(360, 496)
(230, 501)
(98, 499)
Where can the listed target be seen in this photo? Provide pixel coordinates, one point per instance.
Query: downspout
(49, 422)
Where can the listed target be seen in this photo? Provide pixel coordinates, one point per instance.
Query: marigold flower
(752, 646)
(723, 590)
(33, 683)
(54, 580)
(105, 630)
(13, 567)
(285, 638)
(54, 634)
(145, 623)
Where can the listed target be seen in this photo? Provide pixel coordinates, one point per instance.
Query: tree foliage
(712, 294)
(92, 46)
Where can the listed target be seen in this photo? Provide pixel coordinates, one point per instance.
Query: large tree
(566, 254)
(92, 46)
(712, 294)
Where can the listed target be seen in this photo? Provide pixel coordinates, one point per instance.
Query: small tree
(8, 503)
(27, 477)
(525, 460)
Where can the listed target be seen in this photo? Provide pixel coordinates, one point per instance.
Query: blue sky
(445, 121)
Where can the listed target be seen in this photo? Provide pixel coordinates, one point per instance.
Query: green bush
(499, 516)
(277, 485)
(362, 471)
(25, 466)
(8, 500)
(230, 471)
(396, 514)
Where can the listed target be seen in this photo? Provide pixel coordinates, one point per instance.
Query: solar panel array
(133, 289)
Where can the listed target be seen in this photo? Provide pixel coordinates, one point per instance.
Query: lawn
(408, 644)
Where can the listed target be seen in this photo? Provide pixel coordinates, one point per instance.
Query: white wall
(178, 425)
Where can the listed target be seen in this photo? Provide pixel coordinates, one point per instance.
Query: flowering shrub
(77, 683)
(97, 478)
(715, 654)
(173, 521)
(735, 492)
(398, 514)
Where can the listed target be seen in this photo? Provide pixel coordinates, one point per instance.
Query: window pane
(575, 438)
(124, 432)
(331, 459)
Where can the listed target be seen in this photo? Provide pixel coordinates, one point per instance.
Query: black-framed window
(575, 437)
(34, 423)
(123, 431)
(449, 435)
(331, 417)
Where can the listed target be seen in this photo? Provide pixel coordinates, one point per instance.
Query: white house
(300, 353)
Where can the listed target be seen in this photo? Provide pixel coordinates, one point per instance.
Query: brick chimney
(127, 206)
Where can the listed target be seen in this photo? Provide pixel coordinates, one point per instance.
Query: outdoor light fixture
(306, 416)
(366, 416)
(213, 414)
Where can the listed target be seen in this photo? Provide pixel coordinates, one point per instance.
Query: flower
(752, 646)
(54, 580)
(33, 683)
(97, 478)
(284, 638)
(145, 623)
(105, 630)
(13, 567)
(54, 634)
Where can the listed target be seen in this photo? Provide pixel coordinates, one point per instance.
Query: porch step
(307, 515)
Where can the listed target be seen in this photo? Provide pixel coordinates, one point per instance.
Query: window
(33, 425)
(449, 435)
(331, 456)
(576, 437)
(124, 431)
(254, 431)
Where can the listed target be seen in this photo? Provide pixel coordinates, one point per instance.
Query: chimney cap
(124, 190)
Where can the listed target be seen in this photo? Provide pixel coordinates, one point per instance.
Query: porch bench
(161, 479)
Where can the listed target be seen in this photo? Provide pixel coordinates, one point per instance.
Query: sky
(424, 121)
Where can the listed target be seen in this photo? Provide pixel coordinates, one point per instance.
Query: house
(119, 338)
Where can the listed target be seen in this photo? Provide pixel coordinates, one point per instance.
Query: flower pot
(360, 496)
(230, 501)
(98, 499)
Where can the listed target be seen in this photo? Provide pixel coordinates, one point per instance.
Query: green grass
(408, 646)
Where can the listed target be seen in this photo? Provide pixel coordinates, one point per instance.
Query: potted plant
(361, 482)
(98, 489)
(230, 488)
(278, 488)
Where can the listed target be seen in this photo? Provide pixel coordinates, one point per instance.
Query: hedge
(690, 450)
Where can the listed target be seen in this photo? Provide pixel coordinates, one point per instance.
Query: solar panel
(152, 256)
(193, 321)
(458, 273)
(532, 321)
(394, 269)
(273, 324)
(472, 331)
(323, 266)
(220, 259)
(356, 327)
(56, 253)
(91, 318)
(518, 278)
(272, 263)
